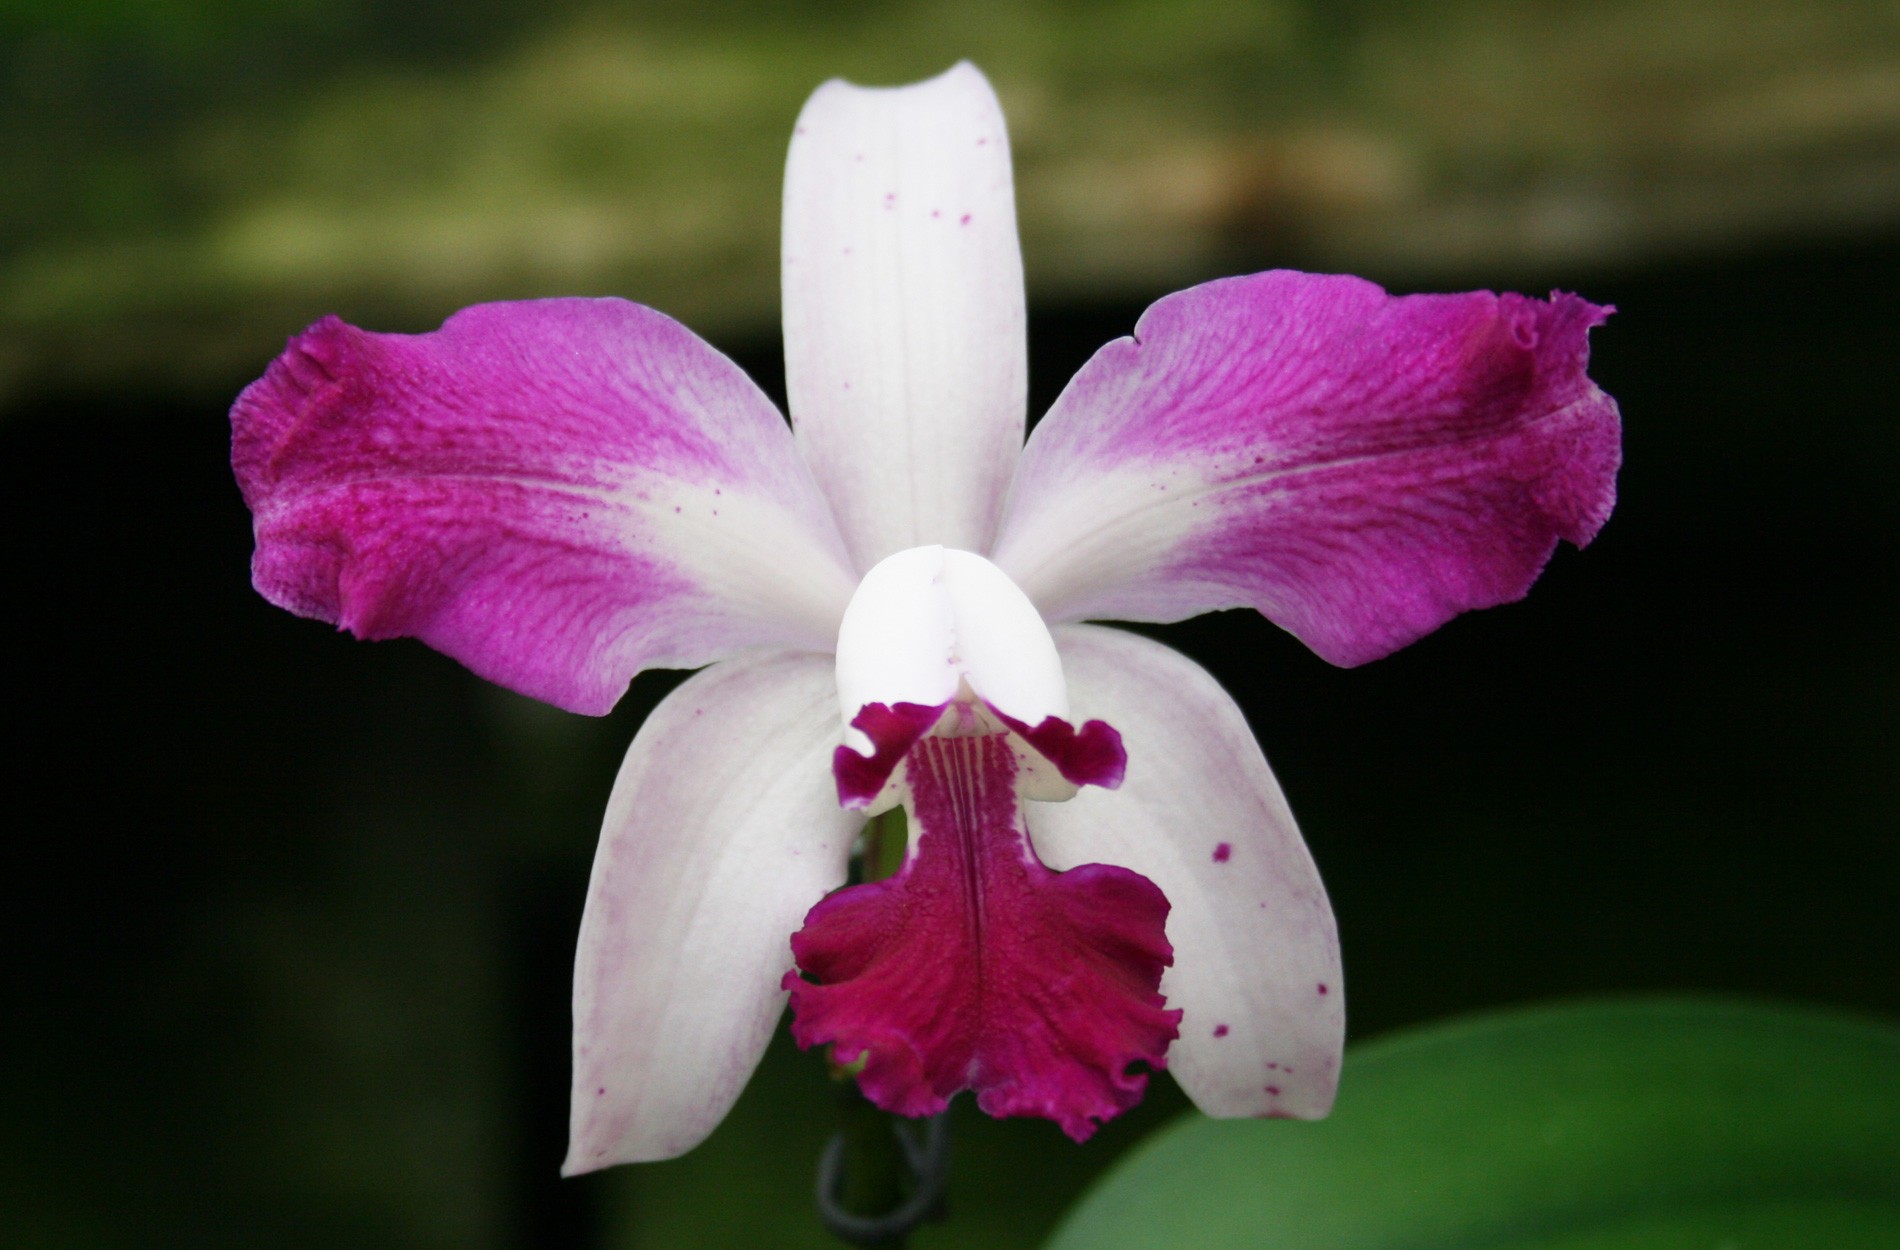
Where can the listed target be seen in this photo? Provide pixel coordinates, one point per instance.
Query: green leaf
(1656, 1125)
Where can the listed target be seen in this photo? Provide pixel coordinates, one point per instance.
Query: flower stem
(876, 1181)
(879, 1178)
(871, 1166)
(886, 838)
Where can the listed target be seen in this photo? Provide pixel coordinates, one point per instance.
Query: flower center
(940, 642)
(975, 966)
(934, 625)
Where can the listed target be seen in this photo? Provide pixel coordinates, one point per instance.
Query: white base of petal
(722, 831)
(1256, 955)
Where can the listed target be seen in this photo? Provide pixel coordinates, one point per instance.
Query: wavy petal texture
(975, 967)
(557, 493)
(721, 833)
(1256, 969)
(905, 347)
(1357, 466)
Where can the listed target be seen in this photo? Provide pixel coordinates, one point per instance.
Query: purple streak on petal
(978, 968)
(530, 490)
(893, 731)
(1359, 467)
(1091, 756)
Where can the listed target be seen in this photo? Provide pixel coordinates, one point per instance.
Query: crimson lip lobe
(977, 967)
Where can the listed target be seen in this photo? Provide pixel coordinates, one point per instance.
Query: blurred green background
(289, 919)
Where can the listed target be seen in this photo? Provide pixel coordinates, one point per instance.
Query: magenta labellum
(976, 967)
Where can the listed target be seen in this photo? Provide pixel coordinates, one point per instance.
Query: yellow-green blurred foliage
(186, 182)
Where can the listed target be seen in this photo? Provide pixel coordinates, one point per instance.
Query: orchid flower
(887, 599)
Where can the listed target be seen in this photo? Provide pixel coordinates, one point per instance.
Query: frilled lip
(976, 967)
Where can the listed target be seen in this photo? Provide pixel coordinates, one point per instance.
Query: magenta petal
(1357, 466)
(976, 967)
(557, 493)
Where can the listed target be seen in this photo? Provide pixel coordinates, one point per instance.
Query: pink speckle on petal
(1223, 851)
(964, 220)
(1273, 1091)
(1323, 989)
(981, 142)
(1272, 1066)
(600, 1091)
(1220, 1030)
(936, 212)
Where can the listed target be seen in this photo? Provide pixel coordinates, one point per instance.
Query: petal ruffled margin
(721, 833)
(905, 347)
(1357, 466)
(975, 967)
(557, 493)
(1256, 968)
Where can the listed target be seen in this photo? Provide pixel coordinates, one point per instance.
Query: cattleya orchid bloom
(887, 601)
